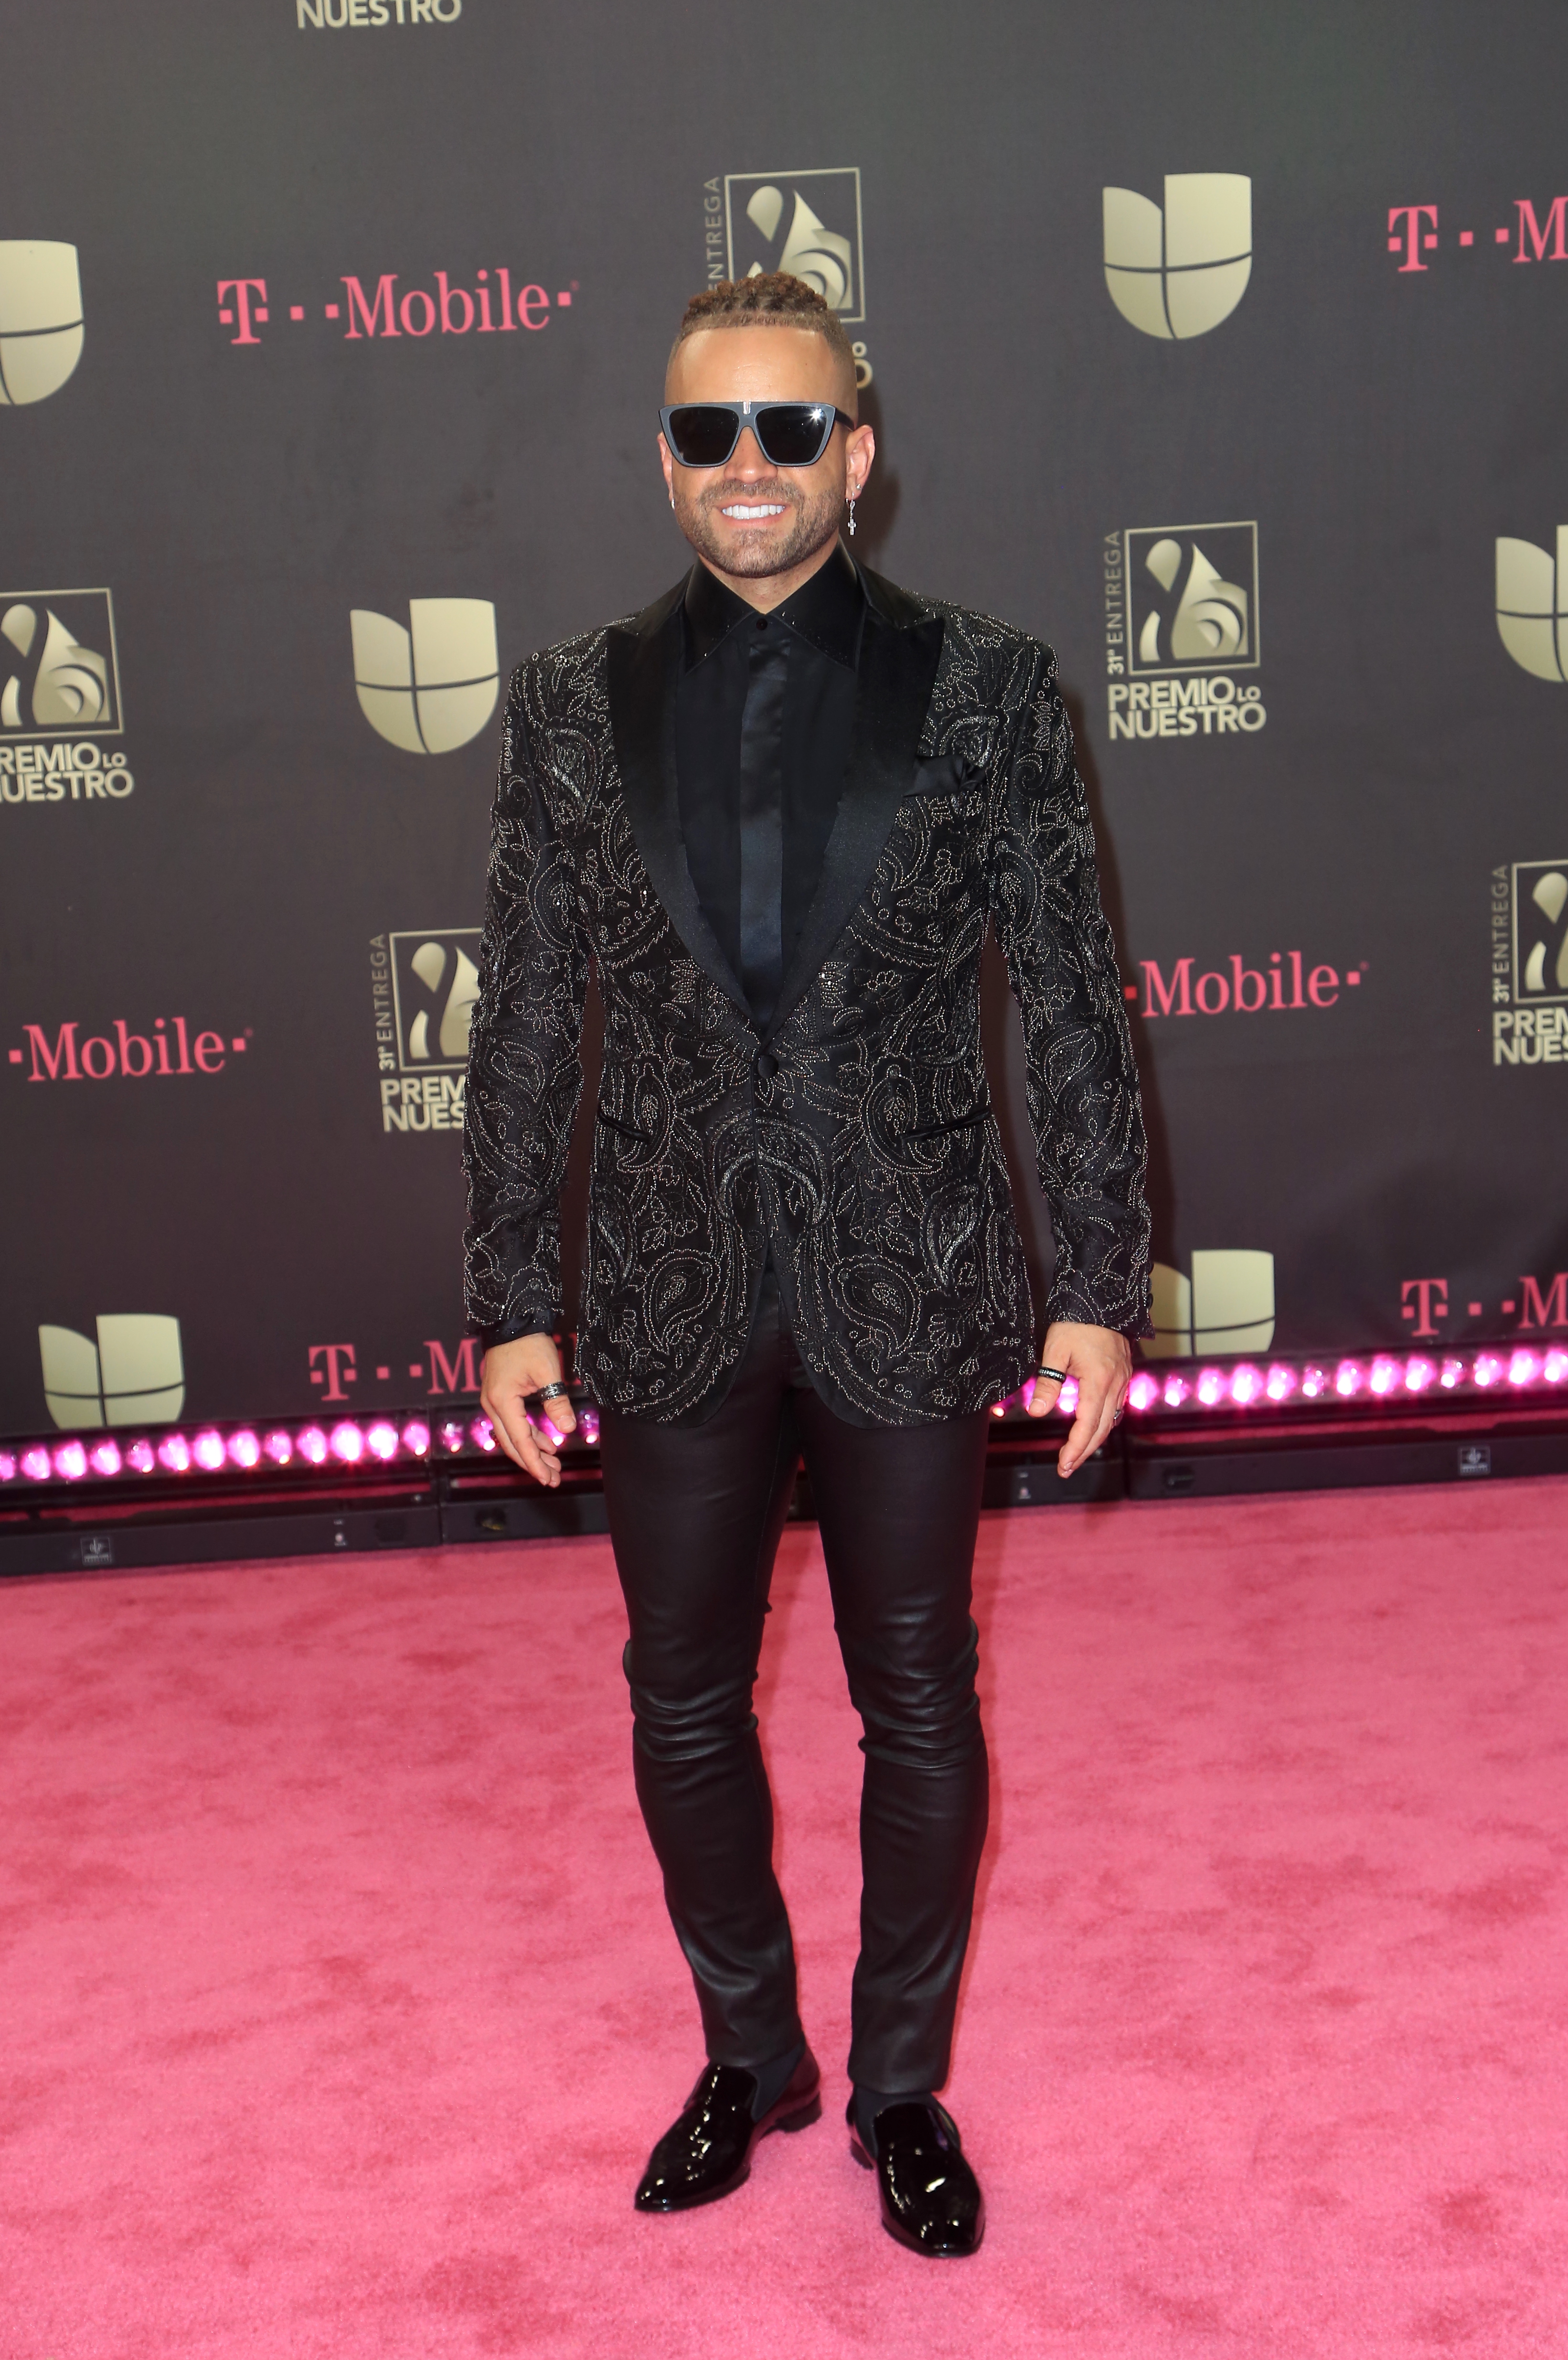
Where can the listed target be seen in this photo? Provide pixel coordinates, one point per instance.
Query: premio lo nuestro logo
(429, 687)
(1529, 962)
(423, 986)
(805, 223)
(1532, 605)
(1226, 1305)
(134, 1374)
(1181, 621)
(59, 696)
(40, 319)
(1179, 270)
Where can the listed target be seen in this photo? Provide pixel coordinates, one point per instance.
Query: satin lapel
(644, 659)
(897, 670)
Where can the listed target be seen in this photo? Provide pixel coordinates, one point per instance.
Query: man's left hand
(1101, 1360)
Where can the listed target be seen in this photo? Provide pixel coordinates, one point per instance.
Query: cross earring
(852, 520)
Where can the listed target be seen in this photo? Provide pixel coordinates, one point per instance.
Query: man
(779, 810)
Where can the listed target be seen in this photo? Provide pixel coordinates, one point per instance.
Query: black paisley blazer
(854, 1135)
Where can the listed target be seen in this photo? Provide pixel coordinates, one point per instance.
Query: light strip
(1370, 1383)
(1381, 1380)
(251, 1451)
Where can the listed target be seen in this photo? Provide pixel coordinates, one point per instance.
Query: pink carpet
(340, 2007)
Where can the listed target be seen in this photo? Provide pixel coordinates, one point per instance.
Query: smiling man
(778, 810)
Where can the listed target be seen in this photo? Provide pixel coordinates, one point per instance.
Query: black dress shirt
(763, 715)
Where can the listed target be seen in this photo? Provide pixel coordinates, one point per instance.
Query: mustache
(750, 495)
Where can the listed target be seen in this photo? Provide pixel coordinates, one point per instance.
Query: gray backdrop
(1296, 508)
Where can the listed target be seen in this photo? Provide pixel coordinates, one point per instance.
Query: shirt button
(762, 622)
(764, 1066)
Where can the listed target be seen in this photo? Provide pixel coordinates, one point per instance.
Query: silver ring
(552, 1392)
(1054, 1376)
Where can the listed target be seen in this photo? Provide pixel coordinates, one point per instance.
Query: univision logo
(431, 687)
(40, 319)
(133, 1375)
(1180, 272)
(1227, 1306)
(1532, 605)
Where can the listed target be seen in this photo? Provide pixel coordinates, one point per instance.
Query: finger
(1090, 1427)
(521, 1444)
(1043, 1396)
(561, 1414)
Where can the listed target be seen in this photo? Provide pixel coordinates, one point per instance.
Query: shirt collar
(827, 611)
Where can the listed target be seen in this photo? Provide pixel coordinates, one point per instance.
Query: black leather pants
(695, 1514)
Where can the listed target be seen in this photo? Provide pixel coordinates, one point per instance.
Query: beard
(810, 523)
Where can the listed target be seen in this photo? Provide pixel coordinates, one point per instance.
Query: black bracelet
(1054, 1376)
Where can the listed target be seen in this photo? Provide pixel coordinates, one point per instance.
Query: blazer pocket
(625, 1129)
(944, 774)
(976, 1116)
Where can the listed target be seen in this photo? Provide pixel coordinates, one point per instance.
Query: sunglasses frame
(749, 413)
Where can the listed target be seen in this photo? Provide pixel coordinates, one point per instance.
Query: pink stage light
(174, 1452)
(1554, 1368)
(1067, 1399)
(141, 1456)
(279, 1446)
(207, 1449)
(417, 1437)
(998, 1409)
(244, 1450)
(1453, 1374)
(451, 1436)
(1488, 1369)
(1385, 1375)
(381, 1440)
(312, 1445)
(1176, 1389)
(483, 1432)
(1143, 1392)
(588, 1422)
(1211, 1387)
(104, 1457)
(1246, 1384)
(35, 1464)
(70, 1462)
(1314, 1384)
(1524, 1368)
(1347, 1379)
(1280, 1382)
(7, 1466)
(1419, 1374)
(347, 1443)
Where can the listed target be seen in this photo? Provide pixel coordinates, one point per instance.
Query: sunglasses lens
(703, 434)
(794, 433)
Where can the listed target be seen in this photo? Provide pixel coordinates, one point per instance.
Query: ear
(859, 451)
(668, 464)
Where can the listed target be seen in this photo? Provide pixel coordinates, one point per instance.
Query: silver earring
(852, 520)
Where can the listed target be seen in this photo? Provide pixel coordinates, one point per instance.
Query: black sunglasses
(789, 434)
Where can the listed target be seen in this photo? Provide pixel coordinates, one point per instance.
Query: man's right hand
(511, 1372)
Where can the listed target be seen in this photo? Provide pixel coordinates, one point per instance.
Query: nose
(746, 459)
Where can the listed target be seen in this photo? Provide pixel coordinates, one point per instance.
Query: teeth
(753, 512)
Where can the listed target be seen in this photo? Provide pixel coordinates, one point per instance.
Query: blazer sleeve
(1082, 1083)
(525, 1072)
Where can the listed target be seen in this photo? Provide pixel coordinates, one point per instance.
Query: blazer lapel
(897, 670)
(644, 661)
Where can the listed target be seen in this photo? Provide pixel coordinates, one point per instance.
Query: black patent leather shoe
(930, 2199)
(708, 2151)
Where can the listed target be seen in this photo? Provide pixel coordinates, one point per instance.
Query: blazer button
(764, 1066)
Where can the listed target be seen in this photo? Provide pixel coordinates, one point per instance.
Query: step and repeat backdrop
(1225, 349)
